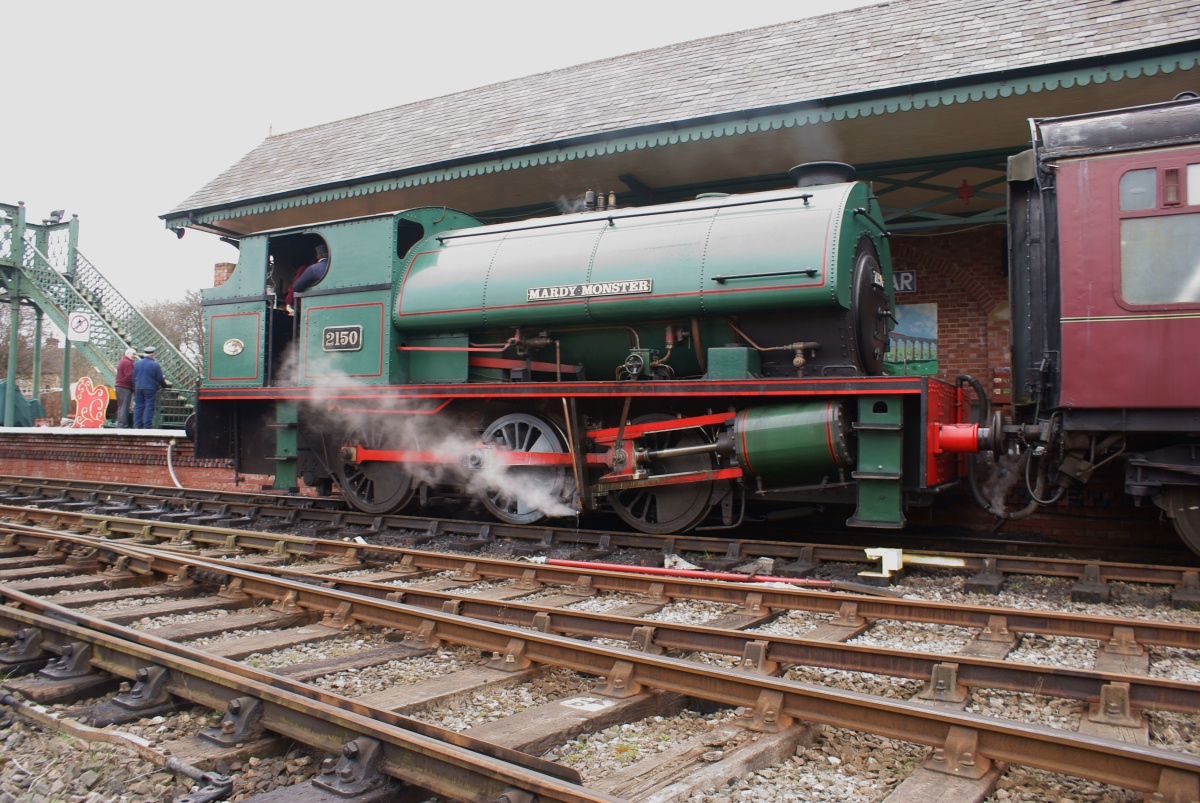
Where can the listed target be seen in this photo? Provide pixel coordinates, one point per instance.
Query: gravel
(381, 677)
(41, 767)
(845, 765)
(355, 640)
(839, 765)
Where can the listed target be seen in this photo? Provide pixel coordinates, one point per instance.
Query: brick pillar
(221, 272)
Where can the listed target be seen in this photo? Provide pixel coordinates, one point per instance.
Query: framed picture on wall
(913, 346)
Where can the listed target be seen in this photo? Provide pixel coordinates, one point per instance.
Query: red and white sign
(79, 326)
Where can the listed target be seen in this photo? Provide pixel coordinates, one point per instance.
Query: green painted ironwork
(72, 250)
(59, 280)
(10, 397)
(287, 416)
(880, 463)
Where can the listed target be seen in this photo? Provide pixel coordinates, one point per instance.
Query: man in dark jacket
(124, 385)
(147, 379)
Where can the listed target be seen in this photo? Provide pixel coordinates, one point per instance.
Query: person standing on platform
(147, 379)
(124, 385)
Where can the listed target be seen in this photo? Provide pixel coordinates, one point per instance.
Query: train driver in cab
(308, 277)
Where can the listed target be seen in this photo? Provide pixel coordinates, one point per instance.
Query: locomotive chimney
(812, 174)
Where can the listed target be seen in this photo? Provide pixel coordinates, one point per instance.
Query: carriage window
(1139, 190)
(1193, 185)
(1160, 259)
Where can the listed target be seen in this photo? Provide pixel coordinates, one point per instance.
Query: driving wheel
(667, 508)
(524, 494)
(372, 486)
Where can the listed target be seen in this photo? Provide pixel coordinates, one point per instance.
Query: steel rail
(406, 561)
(422, 528)
(433, 758)
(972, 671)
(775, 700)
(1158, 694)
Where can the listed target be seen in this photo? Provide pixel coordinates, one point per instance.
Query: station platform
(136, 456)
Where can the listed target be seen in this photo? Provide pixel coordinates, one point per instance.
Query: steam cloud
(411, 424)
(997, 477)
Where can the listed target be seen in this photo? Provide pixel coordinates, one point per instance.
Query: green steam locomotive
(677, 365)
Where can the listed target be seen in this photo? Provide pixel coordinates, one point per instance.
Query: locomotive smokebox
(812, 174)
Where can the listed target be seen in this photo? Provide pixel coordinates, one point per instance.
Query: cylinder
(792, 442)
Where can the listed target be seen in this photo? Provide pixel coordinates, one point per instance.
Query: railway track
(174, 508)
(267, 509)
(414, 595)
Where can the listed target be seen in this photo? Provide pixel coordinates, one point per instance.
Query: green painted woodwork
(733, 363)
(792, 442)
(880, 462)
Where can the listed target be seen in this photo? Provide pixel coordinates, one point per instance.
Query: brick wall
(221, 272)
(127, 457)
(962, 272)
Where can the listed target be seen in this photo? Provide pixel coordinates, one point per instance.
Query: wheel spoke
(373, 487)
(521, 494)
(668, 508)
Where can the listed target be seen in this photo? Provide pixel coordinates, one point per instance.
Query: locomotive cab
(336, 333)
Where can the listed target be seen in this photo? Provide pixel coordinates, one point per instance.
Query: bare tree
(51, 347)
(180, 321)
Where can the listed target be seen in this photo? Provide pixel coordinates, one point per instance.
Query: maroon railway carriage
(1104, 220)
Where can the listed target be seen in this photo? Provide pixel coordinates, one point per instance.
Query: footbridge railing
(46, 267)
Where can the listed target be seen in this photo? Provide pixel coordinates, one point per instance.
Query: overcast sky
(118, 111)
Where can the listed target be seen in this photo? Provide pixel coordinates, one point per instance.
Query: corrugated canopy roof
(891, 49)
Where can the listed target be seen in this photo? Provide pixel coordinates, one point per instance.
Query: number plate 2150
(341, 338)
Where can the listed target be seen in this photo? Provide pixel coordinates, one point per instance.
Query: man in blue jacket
(147, 379)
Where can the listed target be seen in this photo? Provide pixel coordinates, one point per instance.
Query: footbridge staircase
(40, 264)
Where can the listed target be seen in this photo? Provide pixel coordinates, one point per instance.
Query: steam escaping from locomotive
(461, 456)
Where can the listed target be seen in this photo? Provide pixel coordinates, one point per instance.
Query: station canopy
(926, 97)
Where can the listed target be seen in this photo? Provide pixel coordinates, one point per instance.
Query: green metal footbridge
(41, 267)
